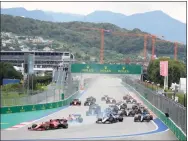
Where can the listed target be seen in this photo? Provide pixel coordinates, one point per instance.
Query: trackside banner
(164, 68)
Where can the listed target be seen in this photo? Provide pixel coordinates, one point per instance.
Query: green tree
(176, 70)
(84, 40)
(8, 71)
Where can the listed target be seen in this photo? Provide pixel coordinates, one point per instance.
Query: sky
(176, 10)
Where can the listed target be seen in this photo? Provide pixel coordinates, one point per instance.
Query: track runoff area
(89, 129)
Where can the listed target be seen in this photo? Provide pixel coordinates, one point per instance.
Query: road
(89, 129)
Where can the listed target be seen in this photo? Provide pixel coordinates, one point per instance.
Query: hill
(86, 43)
(154, 22)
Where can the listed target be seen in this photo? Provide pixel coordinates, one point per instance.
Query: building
(182, 85)
(43, 59)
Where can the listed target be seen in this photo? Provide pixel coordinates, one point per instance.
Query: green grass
(148, 85)
(11, 98)
(180, 98)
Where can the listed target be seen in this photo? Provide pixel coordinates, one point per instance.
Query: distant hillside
(87, 41)
(155, 22)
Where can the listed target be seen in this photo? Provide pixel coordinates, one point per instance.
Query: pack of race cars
(115, 112)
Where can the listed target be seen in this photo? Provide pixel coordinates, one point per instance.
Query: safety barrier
(172, 126)
(27, 108)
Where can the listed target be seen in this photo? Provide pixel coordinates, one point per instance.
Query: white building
(182, 85)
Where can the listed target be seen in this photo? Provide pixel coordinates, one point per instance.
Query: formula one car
(105, 98)
(49, 125)
(135, 107)
(140, 117)
(129, 112)
(127, 97)
(109, 118)
(133, 101)
(121, 105)
(75, 102)
(75, 118)
(93, 110)
(89, 102)
(91, 99)
(110, 101)
(112, 108)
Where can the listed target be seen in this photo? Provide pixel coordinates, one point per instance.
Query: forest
(83, 41)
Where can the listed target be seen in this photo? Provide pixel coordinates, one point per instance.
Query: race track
(128, 130)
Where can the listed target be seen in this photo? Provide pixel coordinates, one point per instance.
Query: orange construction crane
(175, 47)
(139, 35)
(102, 41)
(116, 33)
(131, 34)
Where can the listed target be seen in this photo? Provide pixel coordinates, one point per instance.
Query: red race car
(75, 102)
(49, 125)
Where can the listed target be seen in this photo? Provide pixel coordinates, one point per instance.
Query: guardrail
(172, 126)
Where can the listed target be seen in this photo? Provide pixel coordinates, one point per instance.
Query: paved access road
(103, 85)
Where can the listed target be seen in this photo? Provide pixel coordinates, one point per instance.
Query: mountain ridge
(153, 22)
(70, 37)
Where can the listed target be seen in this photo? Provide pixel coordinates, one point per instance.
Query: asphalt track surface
(127, 130)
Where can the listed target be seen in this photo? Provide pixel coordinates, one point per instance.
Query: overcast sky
(176, 10)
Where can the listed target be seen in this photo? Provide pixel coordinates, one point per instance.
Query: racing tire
(48, 127)
(120, 119)
(80, 120)
(34, 125)
(151, 117)
(65, 126)
(85, 104)
(111, 120)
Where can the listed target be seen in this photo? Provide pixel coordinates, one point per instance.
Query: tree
(176, 70)
(8, 71)
(70, 34)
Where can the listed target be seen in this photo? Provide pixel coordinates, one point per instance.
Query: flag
(164, 68)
